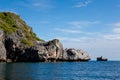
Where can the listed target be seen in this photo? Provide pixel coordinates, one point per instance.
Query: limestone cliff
(18, 43)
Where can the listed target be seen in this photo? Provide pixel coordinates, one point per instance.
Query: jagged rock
(75, 55)
(2, 47)
(44, 52)
(18, 43)
(47, 51)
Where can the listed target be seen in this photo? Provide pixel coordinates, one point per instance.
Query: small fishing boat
(102, 59)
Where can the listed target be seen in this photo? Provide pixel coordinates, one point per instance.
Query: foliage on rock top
(10, 23)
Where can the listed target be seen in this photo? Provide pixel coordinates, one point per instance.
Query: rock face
(18, 43)
(2, 47)
(75, 55)
(45, 51)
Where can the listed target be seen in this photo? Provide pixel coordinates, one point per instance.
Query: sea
(92, 70)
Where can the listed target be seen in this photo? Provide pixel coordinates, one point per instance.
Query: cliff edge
(18, 43)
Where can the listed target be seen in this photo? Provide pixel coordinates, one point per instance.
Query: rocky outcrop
(75, 55)
(2, 47)
(18, 43)
(51, 51)
(45, 51)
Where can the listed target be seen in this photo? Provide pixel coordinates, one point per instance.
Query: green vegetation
(25, 41)
(7, 17)
(7, 23)
(6, 28)
(10, 23)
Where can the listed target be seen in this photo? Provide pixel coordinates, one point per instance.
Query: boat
(102, 59)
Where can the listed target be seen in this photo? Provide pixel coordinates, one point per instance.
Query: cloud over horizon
(80, 24)
(83, 4)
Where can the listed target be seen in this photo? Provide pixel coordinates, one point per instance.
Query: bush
(7, 23)
(25, 41)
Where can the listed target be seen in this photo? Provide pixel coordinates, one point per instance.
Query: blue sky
(91, 25)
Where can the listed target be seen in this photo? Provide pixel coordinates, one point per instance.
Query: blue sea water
(93, 70)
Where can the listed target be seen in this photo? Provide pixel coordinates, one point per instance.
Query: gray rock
(2, 47)
(75, 55)
(41, 52)
(47, 51)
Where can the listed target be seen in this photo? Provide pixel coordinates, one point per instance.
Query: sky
(91, 25)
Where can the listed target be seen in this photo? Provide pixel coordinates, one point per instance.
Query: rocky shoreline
(18, 43)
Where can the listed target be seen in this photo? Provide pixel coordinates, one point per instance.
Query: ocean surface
(92, 70)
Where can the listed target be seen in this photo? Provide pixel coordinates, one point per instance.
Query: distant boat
(101, 59)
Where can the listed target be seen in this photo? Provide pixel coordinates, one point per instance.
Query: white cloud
(82, 4)
(80, 24)
(68, 30)
(117, 24)
(116, 30)
(112, 36)
(37, 4)
(75, 31)
(77, 39)
(43, 5)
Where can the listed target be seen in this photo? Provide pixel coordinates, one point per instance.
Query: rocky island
(18, 43)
